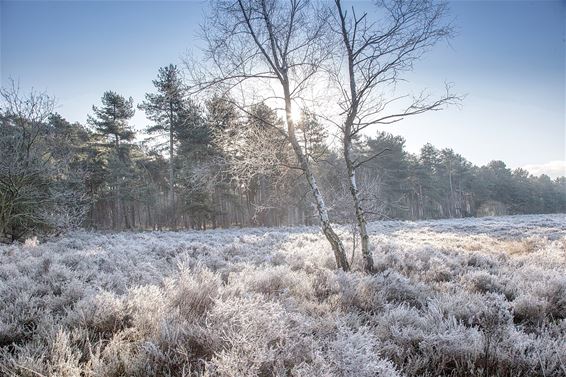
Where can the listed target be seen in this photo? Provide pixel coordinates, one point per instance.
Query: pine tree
(167, 108)
(193, 161)
(110, 121)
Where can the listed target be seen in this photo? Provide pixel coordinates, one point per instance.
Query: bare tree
(276, 48)
(38, 192)
(369, 63)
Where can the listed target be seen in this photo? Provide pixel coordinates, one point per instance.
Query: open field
(470, 297)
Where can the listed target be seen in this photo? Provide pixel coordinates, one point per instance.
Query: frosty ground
(469, 297)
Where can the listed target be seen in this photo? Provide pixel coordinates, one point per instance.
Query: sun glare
(296, 114)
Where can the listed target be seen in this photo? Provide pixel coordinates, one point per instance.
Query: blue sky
(508, 58)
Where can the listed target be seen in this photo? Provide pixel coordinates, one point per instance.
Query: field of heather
(469, 297)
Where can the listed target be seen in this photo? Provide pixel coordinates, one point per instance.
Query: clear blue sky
(508, 57)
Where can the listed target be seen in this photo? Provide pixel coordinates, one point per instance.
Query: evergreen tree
(167, 108)
(392, 170)
(222, 116)
(196, 167)
(429, 189)
(110, 121)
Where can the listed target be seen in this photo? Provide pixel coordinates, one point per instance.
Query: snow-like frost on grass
(469, 297)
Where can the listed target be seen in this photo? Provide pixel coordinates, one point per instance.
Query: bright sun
(296, 114)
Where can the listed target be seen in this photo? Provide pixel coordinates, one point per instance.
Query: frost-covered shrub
(529, 309)
(464, 307)
(372, 293)
(64, 359)
(398, 289)
(482, 282)
(400, 331)
(193, 292)
(114, 358)
(255, 338)
(556, 298)
(449, 346)
(103, 314)
(470, 297)
(524, 246)
(20, 318)
(496, 317)
(271, 281)
(438, 272)
(481, 261)
(355, 352)
(147, 307)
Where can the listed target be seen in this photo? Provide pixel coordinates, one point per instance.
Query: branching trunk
(376, 52)
(367, 258)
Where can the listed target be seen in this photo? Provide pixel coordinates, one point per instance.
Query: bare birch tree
(369, 63)
(275, 47)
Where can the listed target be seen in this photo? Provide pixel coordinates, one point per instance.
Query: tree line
(198, 170)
